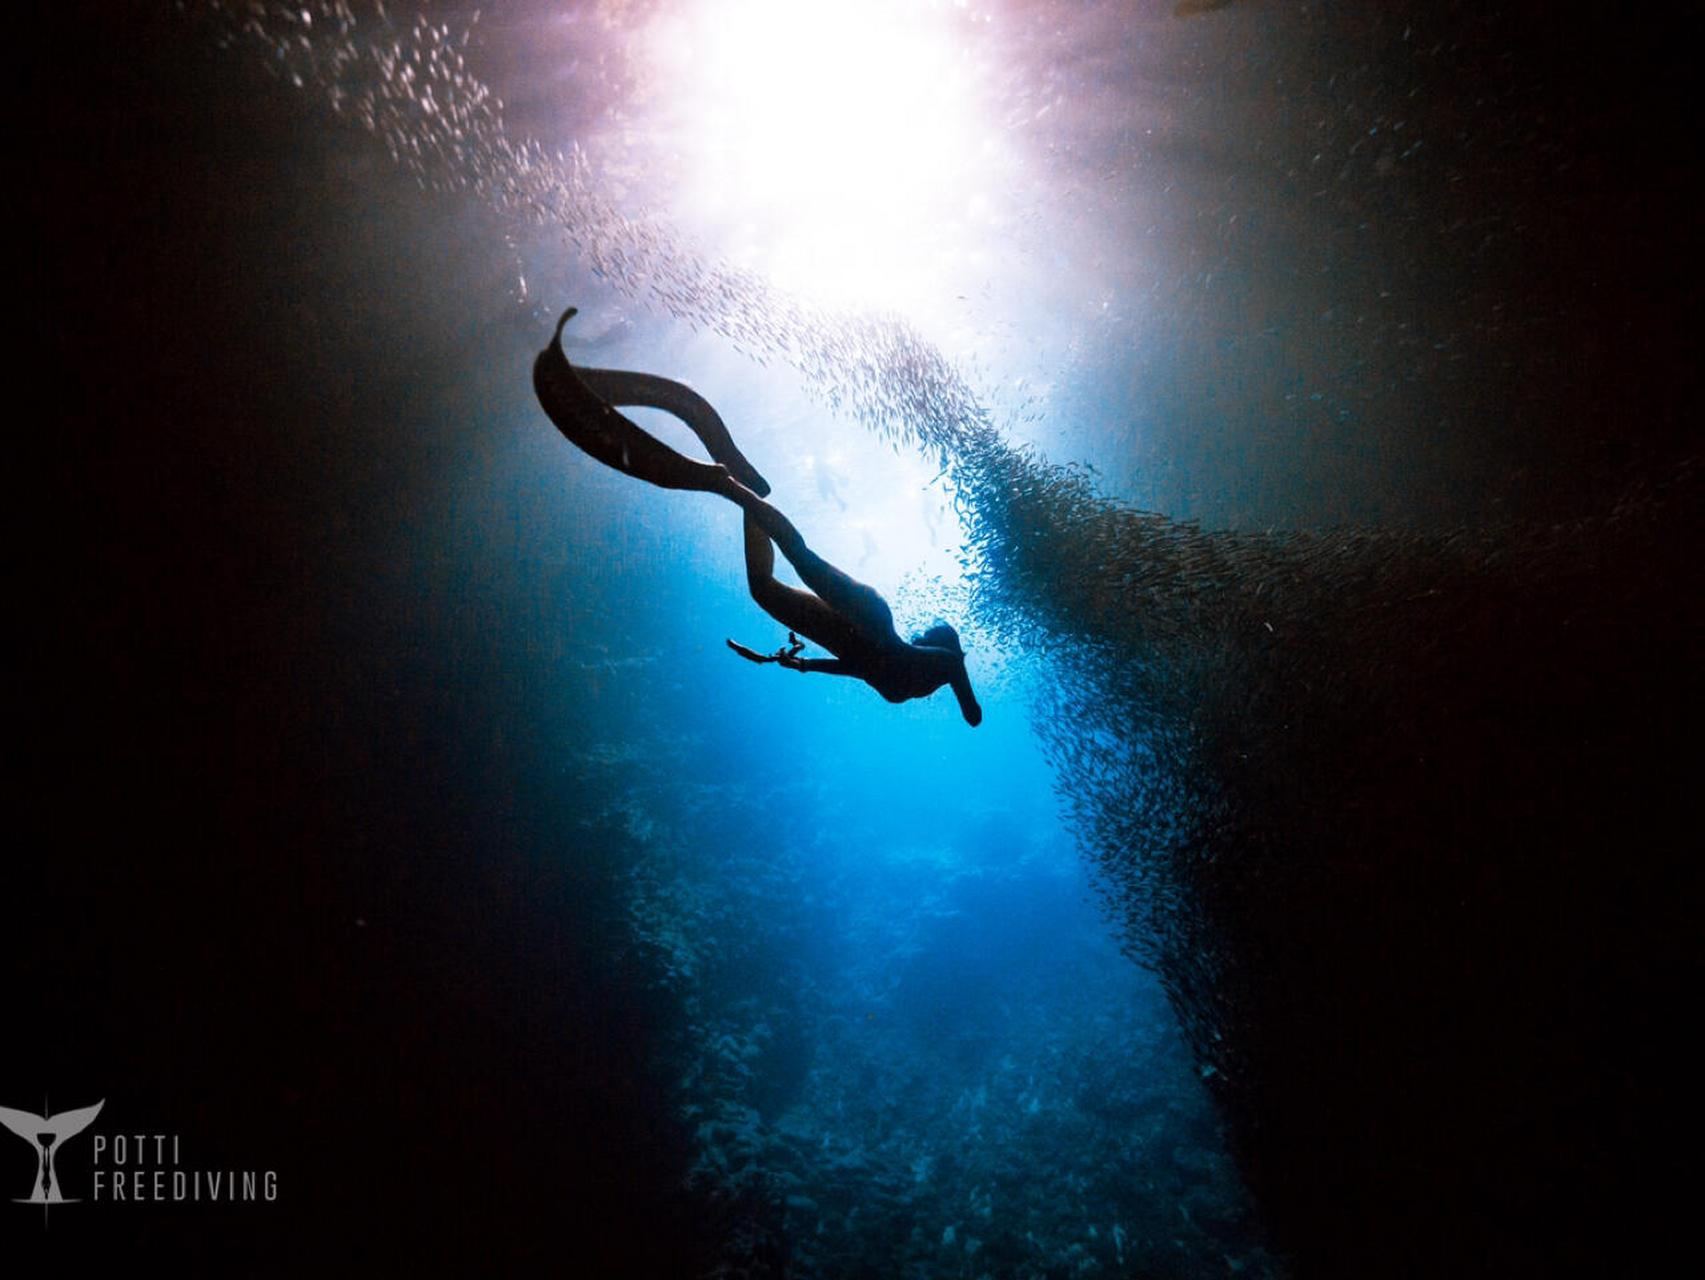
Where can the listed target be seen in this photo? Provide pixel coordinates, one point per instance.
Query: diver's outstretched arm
(787, 655)
(823, 666)
(751, 655)
(792, 661)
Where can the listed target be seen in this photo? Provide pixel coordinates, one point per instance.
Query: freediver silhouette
(848, 618)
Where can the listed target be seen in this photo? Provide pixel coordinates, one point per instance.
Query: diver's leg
(768, 519)
(619, 387)
(859, 605)
(796, 610)
(856, 601)
(760, 555)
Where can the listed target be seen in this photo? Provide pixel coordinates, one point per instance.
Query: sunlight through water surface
(848, 152)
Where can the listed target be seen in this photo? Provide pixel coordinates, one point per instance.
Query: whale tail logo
(46, 1134)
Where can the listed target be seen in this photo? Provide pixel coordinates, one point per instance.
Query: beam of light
(839, 147)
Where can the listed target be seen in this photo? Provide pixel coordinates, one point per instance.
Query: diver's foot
(724, 483)
(735, 486)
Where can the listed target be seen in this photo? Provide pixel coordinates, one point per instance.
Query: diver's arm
(825, 666)
(968, 707)
(751, 655)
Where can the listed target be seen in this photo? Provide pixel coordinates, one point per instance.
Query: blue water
(910, 1043)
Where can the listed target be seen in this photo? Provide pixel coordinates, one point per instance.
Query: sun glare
(835, 145)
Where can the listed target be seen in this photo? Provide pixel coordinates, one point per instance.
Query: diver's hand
(751, 655)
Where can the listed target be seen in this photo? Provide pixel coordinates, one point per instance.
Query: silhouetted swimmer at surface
(838, 613)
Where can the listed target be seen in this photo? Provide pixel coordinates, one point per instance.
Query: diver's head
(940, 636)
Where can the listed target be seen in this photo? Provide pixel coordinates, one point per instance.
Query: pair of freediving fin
(568, 391)
(582, 402)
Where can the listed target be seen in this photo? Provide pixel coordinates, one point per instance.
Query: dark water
(391, 818)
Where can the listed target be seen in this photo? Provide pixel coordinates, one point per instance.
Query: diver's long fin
(621, 387)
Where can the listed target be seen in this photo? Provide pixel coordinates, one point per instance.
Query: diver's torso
(904, 671)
